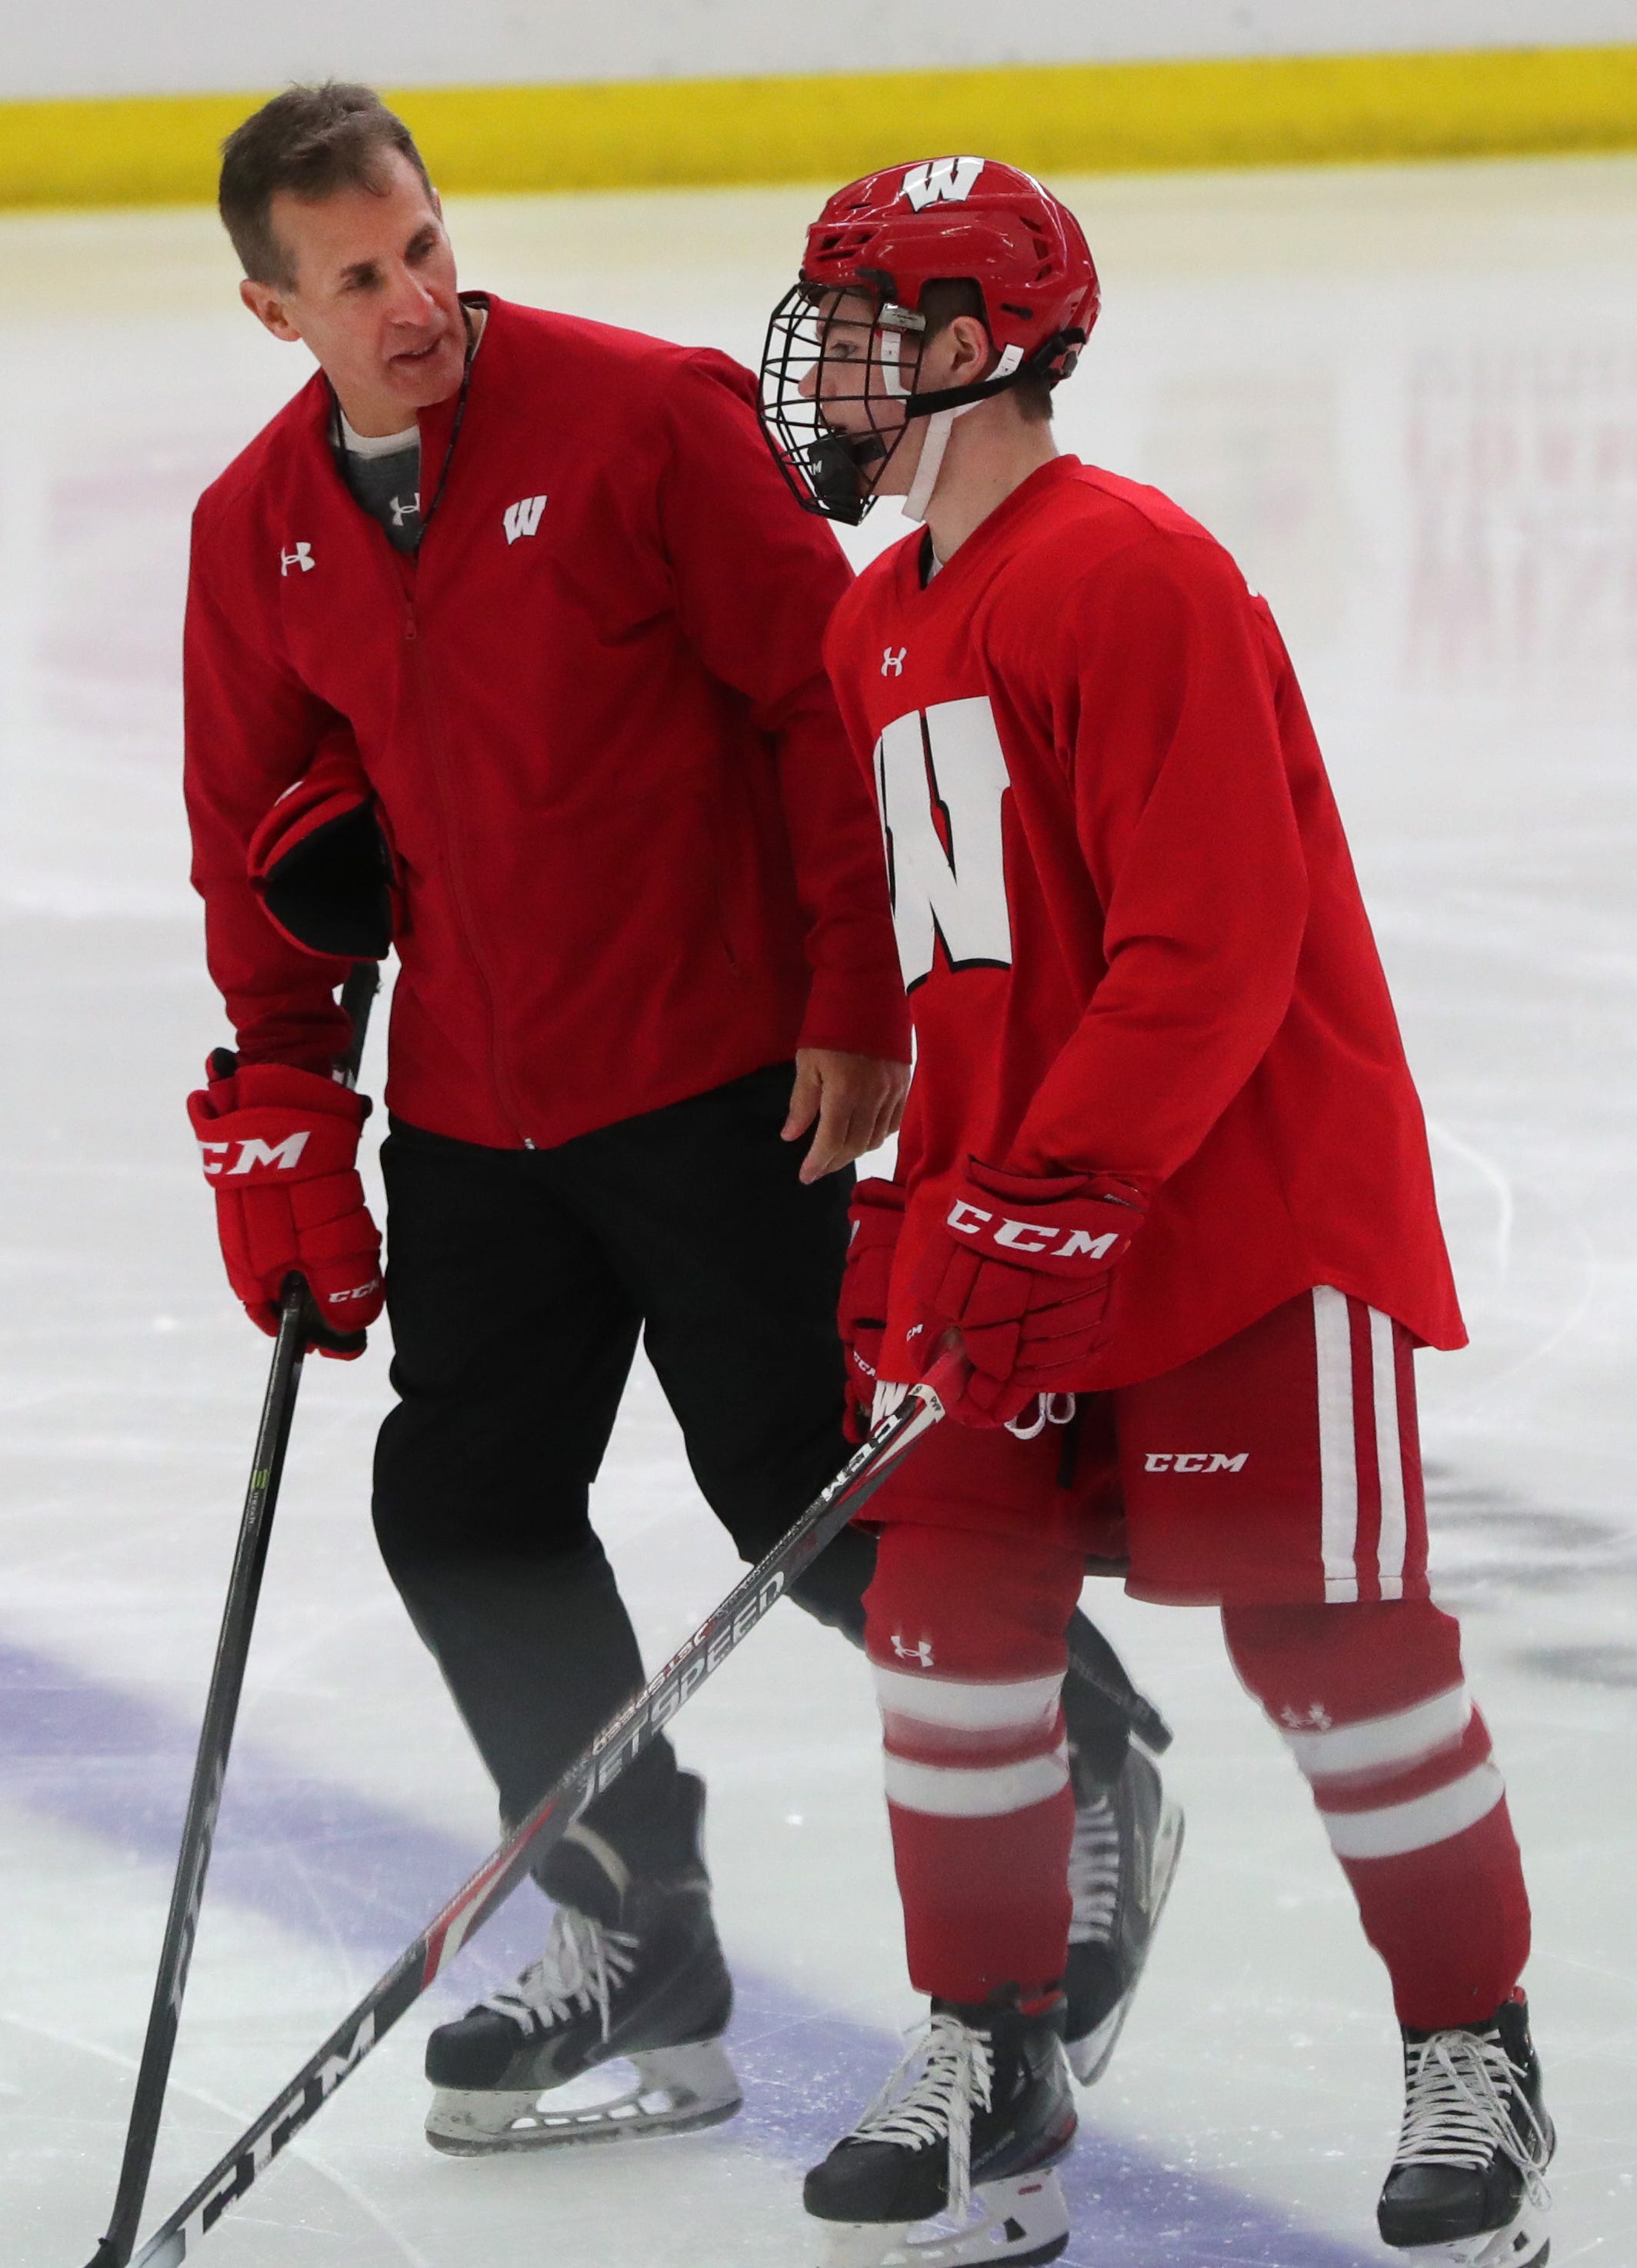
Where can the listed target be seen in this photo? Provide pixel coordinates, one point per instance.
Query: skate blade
(1090, 2057)
(671, 2091)
(1525, 2243)
(1016, 2224)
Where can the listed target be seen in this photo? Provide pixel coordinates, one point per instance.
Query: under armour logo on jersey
(921, 1652)
(403, 510)
(523, 518)
(949, 180)
(301, 556)
(893, 662)
(1316, 1718)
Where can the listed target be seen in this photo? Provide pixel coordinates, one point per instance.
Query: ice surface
(1408, 399)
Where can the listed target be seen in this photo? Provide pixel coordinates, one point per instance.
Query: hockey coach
(503, 647)
(525, 596)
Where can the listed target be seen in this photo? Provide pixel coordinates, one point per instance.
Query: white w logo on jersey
(948, 180)
(523, 518)
(949, 883)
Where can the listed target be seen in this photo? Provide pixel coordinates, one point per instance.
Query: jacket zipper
(464, 905)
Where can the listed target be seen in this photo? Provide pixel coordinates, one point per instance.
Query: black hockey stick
(1093, 1662)
(295, 1322)
(620, 1741)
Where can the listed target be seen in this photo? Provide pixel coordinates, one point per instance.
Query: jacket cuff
(859, 1014)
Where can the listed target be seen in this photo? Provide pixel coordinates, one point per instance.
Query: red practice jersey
(637, 857)
(1128, 920)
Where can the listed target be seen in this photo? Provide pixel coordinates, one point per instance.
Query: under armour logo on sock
(921, 1652)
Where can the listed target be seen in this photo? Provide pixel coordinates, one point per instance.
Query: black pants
(518, 1284)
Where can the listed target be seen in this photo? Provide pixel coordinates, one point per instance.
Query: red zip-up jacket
(637, 857)
(1130, 923)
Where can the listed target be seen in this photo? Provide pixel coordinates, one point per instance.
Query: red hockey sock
(966, 1635)
(1373, 1704)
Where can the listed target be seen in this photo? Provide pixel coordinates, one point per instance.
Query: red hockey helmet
(885, 238)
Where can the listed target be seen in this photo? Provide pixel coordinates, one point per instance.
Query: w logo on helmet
(945, 180)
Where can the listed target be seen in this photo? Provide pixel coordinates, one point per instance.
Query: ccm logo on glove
(279, 1147)
(1023, 1270)
(281, 1157)
(1032, 1237)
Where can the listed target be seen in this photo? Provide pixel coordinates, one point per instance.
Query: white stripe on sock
(1404, 1737)
(975, 1792)
(1338, 1463)
(1389, 1457)
(972, 1708)
(1416, 1825)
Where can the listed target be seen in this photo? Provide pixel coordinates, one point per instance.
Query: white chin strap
(939, 427)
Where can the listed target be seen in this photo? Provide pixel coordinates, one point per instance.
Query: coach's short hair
(310, 140)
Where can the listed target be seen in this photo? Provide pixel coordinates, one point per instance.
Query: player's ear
(268, 307)
(971, 348)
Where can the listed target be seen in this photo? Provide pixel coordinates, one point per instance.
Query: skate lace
(1461, 2088)
(1093, 1871)
(581, 1968)
(958, 2074)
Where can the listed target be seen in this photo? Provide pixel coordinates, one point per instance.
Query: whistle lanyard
(337, 441)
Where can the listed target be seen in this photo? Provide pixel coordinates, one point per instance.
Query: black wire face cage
(817, 368)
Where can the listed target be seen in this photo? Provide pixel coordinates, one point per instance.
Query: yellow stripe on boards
(1072, 118)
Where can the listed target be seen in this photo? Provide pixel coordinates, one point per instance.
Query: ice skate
(1466, 2187)
(632, 1976)
(951, 2164)
(1127, 1838)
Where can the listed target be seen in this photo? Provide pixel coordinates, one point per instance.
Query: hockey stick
(620, 1741)
(232, 1647)
(1093, 1662)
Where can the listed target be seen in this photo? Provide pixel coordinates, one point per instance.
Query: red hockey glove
(278, 1147)
(1023, 1270)
(321, 864)
(877, 1215)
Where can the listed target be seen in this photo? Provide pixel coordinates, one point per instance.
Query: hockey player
(1163, 1172)
(503, 641)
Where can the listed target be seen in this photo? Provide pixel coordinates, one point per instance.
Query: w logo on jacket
(523, 518)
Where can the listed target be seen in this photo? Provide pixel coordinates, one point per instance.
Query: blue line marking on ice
(109, 1763)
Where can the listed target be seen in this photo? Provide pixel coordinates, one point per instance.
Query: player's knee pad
(1372, 1703)
(958, 1603)
(1343, 1663)
(966, 1642)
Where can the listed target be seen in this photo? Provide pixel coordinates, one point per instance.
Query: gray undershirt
(384, 474)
